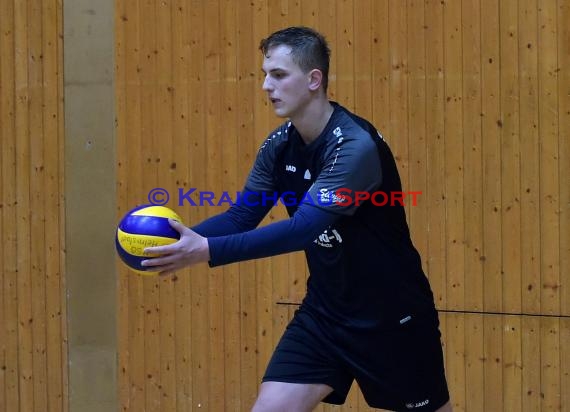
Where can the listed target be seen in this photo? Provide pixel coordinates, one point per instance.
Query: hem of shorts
(309, 381)
(393, 408)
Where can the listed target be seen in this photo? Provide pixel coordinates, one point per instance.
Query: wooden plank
(472, 156)
(131, 157)
(280, 265)
(199, 276)
(164, 160)
(549, 198)
(10, 374)
(149, 145)
(327, 24)
(512, 363)
(61, 315)
(550, 362)
(263, 267)
(232, 183)
(418, 213)
(454, 332)
(510, 158)
(398, 136)
(296, 266)
(248, 297)
(380, 66)
(287, 280)
(491, 156)
(454, 167)
(215, 132)
(363, 57)
(474, 362)
(564, 364)
(37, 209)
(309, 11)
(529, 150)
(493, 358)
(530, 390)
(3, 320)
(344, 52)
(363, 95)
(435, 129)
(123, 23)
(181, 136)
(24, 280)
(563, 14)
(54, 245)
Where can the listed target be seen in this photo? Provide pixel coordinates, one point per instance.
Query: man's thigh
(286, 397)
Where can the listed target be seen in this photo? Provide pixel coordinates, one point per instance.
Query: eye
(279, 75)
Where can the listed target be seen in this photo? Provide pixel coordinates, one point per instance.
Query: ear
(315, 79)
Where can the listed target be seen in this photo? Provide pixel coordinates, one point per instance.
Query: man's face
(285, 83)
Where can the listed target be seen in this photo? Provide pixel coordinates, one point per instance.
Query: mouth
(274, 100)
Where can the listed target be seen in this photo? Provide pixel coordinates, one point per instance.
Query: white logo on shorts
(413, 405)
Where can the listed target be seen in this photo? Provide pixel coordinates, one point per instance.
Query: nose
(267, 86)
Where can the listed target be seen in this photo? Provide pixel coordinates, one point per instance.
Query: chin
(281, 113)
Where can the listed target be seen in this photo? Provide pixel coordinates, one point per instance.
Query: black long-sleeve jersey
(344, 196)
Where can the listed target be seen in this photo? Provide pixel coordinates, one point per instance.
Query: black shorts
(397, 369)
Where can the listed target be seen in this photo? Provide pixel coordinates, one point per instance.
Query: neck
(312, 120)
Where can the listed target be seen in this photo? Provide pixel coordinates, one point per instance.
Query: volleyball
(142, 227)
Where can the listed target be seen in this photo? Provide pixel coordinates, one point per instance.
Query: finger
(159, 261)
(159, 250)
(175, 224)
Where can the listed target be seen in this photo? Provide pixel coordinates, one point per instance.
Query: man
(369, 313)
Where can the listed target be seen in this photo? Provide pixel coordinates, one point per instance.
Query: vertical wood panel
(454, 191)
(32, 315)
(417, 213)
(473, 203)
(550, 275)
(199, 321)
(435, 196)
(380, 65)
(454, 165)
(246, 92)
(493, 356)
(564, 364)
(9, 370)
(398, 109)
(24, 279)
(123, 347)
(231, 181)
(164, 153)
(491, 156)
(530, 364)
(564, 146)
(214, 130)
(531, 392)
(512, 363)
(181, 171)
(550, 391)
(510, 158)
(529, 144)
(149, 144)
(263, 267)
(472, 159)
(37, 199)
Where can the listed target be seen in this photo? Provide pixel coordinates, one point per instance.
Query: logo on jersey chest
(293, 169)
(328, 238)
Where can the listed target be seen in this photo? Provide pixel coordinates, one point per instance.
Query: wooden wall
(33, 353)
(473, 97)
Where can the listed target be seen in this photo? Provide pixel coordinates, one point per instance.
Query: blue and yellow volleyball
(142, 227)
